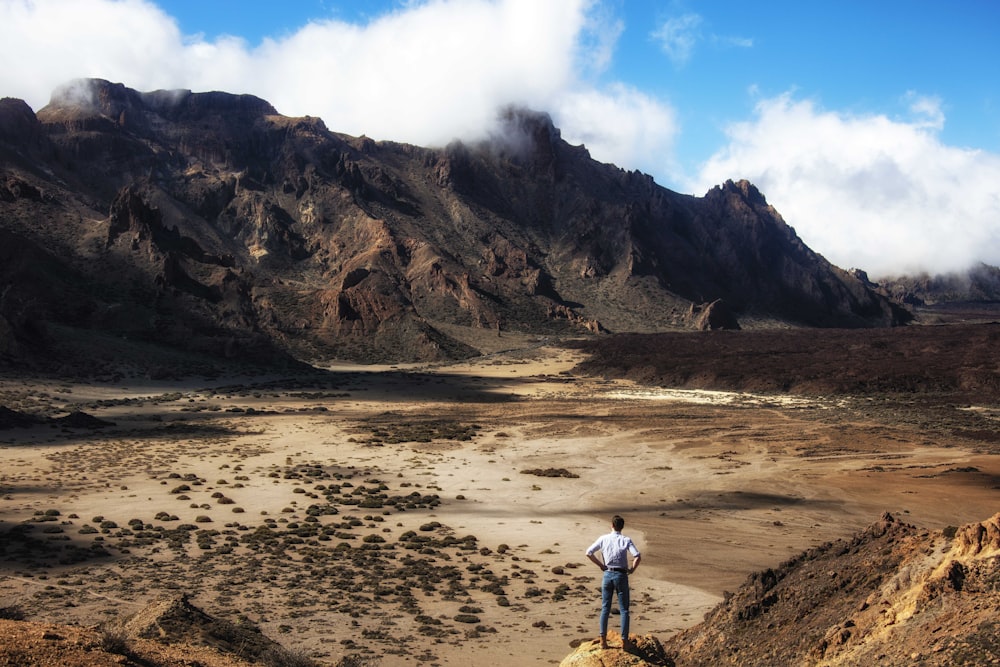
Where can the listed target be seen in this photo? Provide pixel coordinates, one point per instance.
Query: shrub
(12, 613)
(114, 640)
(283, 657)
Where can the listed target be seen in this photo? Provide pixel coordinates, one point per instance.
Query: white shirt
(615, 548)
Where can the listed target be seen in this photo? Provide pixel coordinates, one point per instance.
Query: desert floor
(439, 515)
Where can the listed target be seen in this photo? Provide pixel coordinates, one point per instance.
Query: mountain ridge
(240, 232)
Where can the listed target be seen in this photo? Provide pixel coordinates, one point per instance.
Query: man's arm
(635, 563)
(595, 561)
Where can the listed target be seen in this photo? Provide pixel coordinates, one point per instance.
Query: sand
(713, 486)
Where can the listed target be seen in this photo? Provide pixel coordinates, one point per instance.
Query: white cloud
(866, 191)
(426, 73)
(678, 36)
(734, 42)
(622, 126)
(926, 109)
(44, 43)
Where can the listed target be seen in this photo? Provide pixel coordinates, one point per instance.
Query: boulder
(645, 650)
(713, 316)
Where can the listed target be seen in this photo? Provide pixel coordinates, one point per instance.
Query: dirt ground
(439, 515)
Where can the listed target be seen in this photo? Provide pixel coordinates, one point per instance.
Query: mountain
(210, 223)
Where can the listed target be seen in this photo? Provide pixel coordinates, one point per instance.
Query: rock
(81, 420)
(714, 316)
(14, 419)
(645, 650)
(980, 540)
(174, 620)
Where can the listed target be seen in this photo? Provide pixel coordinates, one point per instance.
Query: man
(615, 549)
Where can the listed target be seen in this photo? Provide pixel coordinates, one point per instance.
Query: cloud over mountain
(878, 193)
(426, 74)
(871, 190)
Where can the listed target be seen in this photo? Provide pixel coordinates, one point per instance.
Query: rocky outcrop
(644, 651)
(893, 594)
(175, 620)
(713, 316)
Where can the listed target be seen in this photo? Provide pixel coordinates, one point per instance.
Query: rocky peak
(94, 96)
(82, 97)
(18, 123)
(527, 134)
(746, 190)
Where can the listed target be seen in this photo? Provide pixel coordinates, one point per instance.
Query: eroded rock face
(255, 224)
(978, 539)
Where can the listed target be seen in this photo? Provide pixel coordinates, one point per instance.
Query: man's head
(617, 522)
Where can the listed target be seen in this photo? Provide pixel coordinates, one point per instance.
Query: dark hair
(617, 522)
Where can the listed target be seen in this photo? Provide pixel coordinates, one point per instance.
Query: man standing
(615, 549)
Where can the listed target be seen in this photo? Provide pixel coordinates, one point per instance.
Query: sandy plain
(439, 515)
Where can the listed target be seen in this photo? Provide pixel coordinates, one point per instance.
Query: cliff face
(211, 220)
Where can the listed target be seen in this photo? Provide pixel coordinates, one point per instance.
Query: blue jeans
(614, 582)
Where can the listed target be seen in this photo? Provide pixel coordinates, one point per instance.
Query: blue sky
(873, 127)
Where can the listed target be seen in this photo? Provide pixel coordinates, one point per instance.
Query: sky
(873, 127)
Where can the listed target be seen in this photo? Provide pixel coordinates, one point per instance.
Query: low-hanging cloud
(427, 73)
(881, 194)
